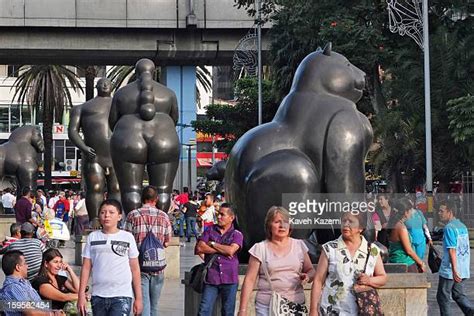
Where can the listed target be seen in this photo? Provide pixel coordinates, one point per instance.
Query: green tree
(231, 121)
(461, 124)
(45, 88)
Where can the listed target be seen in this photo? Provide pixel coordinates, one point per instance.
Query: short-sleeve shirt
(61, 281)
(17, 289)
(224, 270)
(32, 249)
(337, 297)
(191, 209)
(110, 255)
(146, 218)
(456, 237)
(23, 210)
(283, 271)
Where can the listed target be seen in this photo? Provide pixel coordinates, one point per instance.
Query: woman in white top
(286, 260)
(341, 264)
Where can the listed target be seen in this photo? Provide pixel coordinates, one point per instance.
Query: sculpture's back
(316, 143)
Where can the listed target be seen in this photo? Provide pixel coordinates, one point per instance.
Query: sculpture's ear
(327, 49)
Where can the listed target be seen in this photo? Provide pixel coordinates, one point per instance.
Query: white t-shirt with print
(110, 255)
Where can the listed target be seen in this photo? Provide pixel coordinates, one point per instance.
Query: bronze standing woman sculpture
(143, 119)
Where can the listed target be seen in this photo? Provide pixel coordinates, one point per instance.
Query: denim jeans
(180, 224)
(151, 290)
(448, 288)
(209, 296)
(191, 226)
(111, 306)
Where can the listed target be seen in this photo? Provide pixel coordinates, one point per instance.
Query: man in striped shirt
(31, 248)
(139, 222)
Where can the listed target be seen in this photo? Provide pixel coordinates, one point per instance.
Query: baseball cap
(27, 227)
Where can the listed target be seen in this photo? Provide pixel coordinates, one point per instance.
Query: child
(112, 256)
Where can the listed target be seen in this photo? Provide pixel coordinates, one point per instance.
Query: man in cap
(31, 248)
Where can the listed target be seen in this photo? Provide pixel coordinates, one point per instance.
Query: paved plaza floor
(172, 297)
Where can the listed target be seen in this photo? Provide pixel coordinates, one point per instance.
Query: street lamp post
(401, 17)
(259, 59)
(189, 147)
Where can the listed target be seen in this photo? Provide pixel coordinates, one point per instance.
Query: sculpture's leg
(284, 171)
(95, 183)
(130, 179)
(113, 188)
(162, 176)
(26, 177)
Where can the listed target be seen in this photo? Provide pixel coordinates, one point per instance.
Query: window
(12, 70)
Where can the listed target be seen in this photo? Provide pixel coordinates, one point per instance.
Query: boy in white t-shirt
(112, 256)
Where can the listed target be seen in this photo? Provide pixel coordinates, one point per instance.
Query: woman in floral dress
(341, 265)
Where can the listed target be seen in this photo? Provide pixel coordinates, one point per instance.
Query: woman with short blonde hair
(286, 261)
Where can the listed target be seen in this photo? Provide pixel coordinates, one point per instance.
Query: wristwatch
(212, 243)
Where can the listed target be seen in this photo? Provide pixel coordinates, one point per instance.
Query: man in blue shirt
(454, 268)
(17, 296)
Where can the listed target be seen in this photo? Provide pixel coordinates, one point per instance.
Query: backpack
(60, 209)
(152, 253)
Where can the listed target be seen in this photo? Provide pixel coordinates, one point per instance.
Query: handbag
(367, 298)
(434, 259)
(199, 274)
(279, 305)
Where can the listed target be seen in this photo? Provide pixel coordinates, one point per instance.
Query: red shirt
(182, 199)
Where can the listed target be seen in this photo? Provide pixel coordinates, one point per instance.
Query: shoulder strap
(264, 265)
(369, 247)
(148, 228)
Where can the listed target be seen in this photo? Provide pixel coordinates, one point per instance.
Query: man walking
(8, 201)
(220, 244)
(139, 222)
(454, 268)
(190, 212)
(23, 207)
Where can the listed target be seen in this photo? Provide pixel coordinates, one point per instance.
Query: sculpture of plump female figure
(143, 119)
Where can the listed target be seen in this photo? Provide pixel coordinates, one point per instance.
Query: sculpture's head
(37, 140)
(217, 171)
(144, 65)
(104, 87)
(330, 72)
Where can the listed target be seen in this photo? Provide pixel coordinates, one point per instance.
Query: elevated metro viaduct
(175, 34)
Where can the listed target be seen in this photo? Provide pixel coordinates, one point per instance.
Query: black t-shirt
(191, 209)
(61, 280)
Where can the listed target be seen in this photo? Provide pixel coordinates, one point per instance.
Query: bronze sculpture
(97, 168)
(18, 156)
(143, 118)
(316, 143)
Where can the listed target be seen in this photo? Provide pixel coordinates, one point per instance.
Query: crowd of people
(37, 207)
(125, 258)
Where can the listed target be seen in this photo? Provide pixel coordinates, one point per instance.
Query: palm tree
(45, 88)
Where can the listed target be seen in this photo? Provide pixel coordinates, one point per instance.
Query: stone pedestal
(172, 269)
(5, 221)
(404, 294)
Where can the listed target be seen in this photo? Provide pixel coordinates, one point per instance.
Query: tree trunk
(91, 73)
(48, 147)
